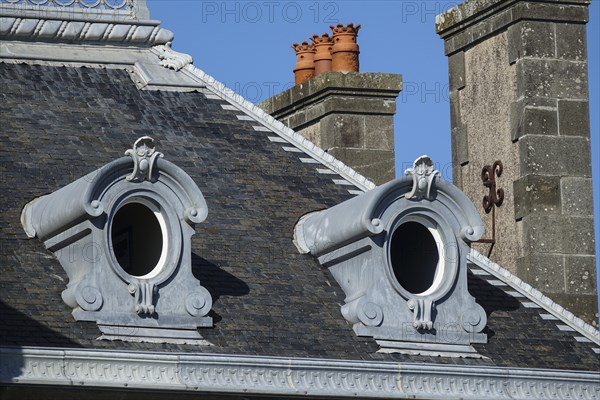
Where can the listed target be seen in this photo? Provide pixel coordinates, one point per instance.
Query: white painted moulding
(282, 376)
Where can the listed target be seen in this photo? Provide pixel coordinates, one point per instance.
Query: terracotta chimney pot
(305, 65)
(323, 46)
(345, 48)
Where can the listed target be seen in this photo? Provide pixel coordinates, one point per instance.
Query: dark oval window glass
(414, 256)
(137, 239)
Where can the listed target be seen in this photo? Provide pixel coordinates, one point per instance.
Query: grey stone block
(452, 44)
(312, 111)
(555, 155)
(379, 132)
(558, 234)
(571, 42)
(455, 117)
(545, 272)
(552, 78)
(584, 306)
(358, 80)
(350, 103)
(574, 117)
(460, 13)
(539, 121)
(580, 274)
(476, 31)
(550, 10)
(531, 39)
(577, 196)
(312, 133)
(343, 130)
(297, 120)
(456, 67)
(534, 193)
(299, 92)
(278, 102)
(537, 116)
(460, 145)
(473, 21)
(457, 175)
(378, 164)
(475, 11)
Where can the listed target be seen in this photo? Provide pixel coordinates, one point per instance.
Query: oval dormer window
(415, 257)
(139, 239)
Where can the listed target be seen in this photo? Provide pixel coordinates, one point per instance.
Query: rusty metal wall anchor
(494, 198)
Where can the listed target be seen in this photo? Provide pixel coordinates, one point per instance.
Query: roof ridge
(181, 63)
(278, 127)
(535, 295)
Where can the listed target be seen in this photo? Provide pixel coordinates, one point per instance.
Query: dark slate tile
(60, 123)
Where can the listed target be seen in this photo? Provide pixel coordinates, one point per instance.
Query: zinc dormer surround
(399, 253)
(123, 236)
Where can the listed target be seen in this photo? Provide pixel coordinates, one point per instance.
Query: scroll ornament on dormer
(145, 299)
(423, 176)
(422, 313)
(144, 156)
(172, 59)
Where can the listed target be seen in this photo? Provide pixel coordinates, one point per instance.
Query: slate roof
(59, 123)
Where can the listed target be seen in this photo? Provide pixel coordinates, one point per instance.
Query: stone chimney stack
(349, 114)
(519, 94)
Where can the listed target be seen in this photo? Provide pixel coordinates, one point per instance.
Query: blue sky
(247, 46)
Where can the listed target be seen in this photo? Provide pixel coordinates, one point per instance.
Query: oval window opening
(137, 239)
(414, 256)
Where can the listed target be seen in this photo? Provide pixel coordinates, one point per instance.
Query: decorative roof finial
(144, 156)
(423, 175)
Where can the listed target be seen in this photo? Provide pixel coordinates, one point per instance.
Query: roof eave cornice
(286, 376)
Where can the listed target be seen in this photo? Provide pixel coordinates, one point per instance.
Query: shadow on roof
(217, 281)
(491, 298)
(19, 330)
